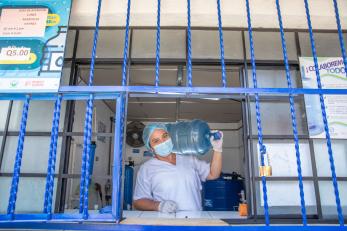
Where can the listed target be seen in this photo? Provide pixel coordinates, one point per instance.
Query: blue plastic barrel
(191, 138)
(221, 194)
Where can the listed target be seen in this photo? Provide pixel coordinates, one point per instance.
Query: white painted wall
(203, 13)
(232, 147)
(101, 114)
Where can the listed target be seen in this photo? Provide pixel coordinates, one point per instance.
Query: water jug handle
(216, 135)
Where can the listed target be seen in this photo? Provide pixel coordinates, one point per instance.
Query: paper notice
(24, 22)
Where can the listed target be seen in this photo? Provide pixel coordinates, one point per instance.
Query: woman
(169, 182)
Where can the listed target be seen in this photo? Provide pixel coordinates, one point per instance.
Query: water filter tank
(191, 138)
(128, 186)
(91, 157)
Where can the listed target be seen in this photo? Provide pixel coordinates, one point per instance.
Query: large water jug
(191, 138)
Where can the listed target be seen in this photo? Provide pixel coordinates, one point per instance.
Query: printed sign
(32, 44)
(24, 22)
(333, 76)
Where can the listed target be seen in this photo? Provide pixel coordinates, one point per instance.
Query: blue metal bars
(117, 161)
(189, 48)
(293, 115)
(52, 158)
(85, 174)
(221, 44)
(325, 121)
(262, 148)
(18, 161)
(157, 61)
(120, 124)
(126, 46)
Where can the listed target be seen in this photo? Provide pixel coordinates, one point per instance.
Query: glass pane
(213, 111)
(172, 44)
(39, 118)
(276, 118)
(35, 154)
(141, 109)
(72, 195)
(70, 43)
(30, 197)
(284, 198)
(204, 76)
(282, 157)
(3, 113)
(322, 158)
(104, 75)
(102, 160)
(79, 116)
(274, 78)
(110, 44)
(145, 75)
(95, 202)
(158, 109)
(327, 44)
(327, 197)
(65, 77)
(103, 111)
(267, 45)
(205, 44)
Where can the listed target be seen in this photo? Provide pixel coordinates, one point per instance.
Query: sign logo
(14, 84)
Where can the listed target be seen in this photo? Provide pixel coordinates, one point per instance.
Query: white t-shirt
(159, 180)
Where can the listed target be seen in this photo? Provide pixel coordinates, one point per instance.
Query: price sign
(32, 44)
(15, 54)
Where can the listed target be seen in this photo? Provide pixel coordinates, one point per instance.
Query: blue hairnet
(149, 129)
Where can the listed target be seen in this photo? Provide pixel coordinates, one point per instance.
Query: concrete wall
(102, 115)
(203, 13)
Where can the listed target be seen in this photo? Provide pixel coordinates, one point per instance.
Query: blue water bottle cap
(216, 135)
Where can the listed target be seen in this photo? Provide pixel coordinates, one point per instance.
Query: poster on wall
(333, 76)
(32, 44)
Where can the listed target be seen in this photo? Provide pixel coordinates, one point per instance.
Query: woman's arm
(146, 205)
(216, 166)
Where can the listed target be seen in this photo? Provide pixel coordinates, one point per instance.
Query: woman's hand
(217, 145)
(167, 206)
(216, 162)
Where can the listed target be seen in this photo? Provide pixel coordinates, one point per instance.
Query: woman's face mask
(164, 149)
